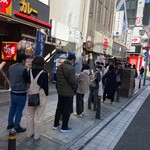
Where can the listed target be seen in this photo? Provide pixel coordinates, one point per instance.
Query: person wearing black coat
(109, 83)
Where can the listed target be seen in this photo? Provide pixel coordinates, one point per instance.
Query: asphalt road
(137, 135)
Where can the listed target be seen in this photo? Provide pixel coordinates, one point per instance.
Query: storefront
(136, 56)
(20, 22)
(118, 50)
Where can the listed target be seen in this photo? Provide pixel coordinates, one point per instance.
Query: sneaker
(20, 129)
(81, 115)
(75, 113)
(78, 115)
(56, 127)
(10, 126)
(65, 130)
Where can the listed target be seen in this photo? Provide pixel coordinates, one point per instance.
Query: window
(99, 11)
(105, 17)
(91, 8)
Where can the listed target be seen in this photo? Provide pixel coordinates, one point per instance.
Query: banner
(6, 7)
(40, 43)
(118, 23)
(9, 50)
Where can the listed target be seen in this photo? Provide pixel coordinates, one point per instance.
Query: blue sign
(40, 43)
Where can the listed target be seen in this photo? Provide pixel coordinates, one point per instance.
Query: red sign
(29, 18)
(136, 40)
(9, 50)
(138, 21)
(105, 43)
(6, 7)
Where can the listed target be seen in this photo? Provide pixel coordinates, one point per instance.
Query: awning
(10, 20)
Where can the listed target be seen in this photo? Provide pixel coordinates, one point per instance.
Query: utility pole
(145, 70)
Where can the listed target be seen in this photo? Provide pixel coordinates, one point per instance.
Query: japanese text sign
(27, 9)
(6, 7)
(105, 43)
(40, 43)
(9, 50)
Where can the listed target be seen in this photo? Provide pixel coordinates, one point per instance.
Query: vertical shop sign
(40, 43)
(118, 23)
(6, 7)
(9, 50)
(105, 43)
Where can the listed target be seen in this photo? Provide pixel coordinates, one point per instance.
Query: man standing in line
(18, 81)
(66, 83)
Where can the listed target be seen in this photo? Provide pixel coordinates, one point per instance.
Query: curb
(102, 125)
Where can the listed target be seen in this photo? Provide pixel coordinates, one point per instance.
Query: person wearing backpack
(38, 84)
(94, 87)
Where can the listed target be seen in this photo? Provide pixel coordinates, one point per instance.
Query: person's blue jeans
(15, 112)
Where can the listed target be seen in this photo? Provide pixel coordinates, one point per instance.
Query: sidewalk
(119, 134)
(83, 129)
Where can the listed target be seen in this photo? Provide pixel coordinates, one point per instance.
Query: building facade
(19, 22)
(135, 53)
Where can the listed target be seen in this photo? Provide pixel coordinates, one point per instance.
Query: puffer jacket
(64, 87)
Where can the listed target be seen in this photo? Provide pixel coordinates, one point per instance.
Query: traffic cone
(12, 140)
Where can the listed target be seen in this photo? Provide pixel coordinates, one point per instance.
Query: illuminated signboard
(9, 50)
(6, 7)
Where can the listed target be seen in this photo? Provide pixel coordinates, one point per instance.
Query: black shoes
(20, 129)
(10, 126)
(65, 130)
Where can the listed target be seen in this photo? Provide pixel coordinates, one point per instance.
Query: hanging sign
(40, 43)
(6, 7)
(9, 50)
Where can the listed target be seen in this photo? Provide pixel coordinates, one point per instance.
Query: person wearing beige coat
(83, 87)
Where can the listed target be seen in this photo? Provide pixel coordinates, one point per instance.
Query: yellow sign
(25, 8)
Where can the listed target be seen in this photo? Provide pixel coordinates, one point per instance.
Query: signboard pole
(145, 70)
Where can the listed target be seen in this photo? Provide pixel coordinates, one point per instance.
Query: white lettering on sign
(7, 49)
(4, 1)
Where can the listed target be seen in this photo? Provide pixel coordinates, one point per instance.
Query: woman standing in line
(35, 114)
(110, 84)
(83, 87)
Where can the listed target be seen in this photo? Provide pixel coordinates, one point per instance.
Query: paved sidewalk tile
(83, 128)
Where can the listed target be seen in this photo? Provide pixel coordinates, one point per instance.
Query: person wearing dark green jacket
(66, 87)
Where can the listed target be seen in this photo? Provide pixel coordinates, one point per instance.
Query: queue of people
(20, 78)
(101, 83)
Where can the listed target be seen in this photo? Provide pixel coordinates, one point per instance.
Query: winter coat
(109, 82)
(65, 87)
(83, 82)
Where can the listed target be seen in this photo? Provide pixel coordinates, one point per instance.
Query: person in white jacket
(83, 87)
